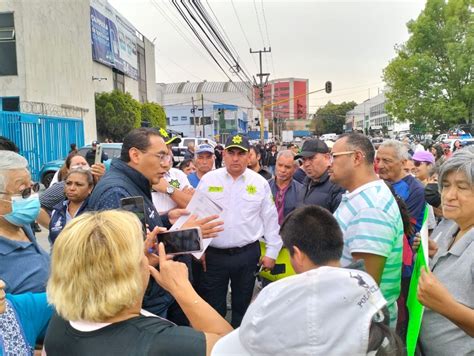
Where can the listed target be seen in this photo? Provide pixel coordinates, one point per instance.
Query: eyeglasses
(337, 154)
(26, 193)
(163, 157)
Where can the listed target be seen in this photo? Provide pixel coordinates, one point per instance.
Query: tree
(154, 114)
(117, 114)
(431, 79)
(331, 117)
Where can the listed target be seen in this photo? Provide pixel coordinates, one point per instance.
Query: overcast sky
(347, 42)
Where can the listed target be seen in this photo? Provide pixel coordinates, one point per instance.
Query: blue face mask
(24, 211)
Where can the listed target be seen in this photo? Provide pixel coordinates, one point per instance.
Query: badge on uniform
(251, 189)
(214, 189)
(174, 183)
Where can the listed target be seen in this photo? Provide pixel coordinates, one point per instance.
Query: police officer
(248, 213)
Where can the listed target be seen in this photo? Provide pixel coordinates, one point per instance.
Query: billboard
(114, 42)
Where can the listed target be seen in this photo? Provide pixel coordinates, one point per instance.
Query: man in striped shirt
(368, 216)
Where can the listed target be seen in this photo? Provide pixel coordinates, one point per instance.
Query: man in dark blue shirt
(138, 168)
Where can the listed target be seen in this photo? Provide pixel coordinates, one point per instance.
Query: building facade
(371, 118)
(208, 109)
(287, 103)
(49, 67)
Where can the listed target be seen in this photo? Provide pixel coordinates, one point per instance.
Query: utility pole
(193, 110)
(203, 123)
(263, 82)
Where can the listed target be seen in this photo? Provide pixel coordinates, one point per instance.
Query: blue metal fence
(41, 138)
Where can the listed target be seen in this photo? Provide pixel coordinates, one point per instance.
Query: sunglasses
(26, 193)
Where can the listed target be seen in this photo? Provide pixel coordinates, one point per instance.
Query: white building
(371, 117)
(228, 107)
(48, 66)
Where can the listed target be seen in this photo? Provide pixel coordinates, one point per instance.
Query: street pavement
(42, 238)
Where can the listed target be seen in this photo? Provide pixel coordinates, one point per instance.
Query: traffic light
(328, 87)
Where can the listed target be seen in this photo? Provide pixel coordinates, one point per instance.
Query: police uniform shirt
(248, 209)
(162, 201)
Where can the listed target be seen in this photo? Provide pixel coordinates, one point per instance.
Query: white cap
(325, 311)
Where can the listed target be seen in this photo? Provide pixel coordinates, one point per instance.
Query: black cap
(95, 143)
(168, 137)
(311, 147)
(237, 141)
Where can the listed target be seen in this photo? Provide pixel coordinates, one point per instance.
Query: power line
(177, 65)
(260, 28)
(177, 28)
(242, 29)
(212, 33)
(268, 36)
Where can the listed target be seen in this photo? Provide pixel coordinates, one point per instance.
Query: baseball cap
(311, 147)
(95, 142)
(237, 141)
(168, 137)
(324, 311)
(203, 148)
(423, 156)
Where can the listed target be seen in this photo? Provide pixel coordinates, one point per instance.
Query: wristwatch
(170, 190)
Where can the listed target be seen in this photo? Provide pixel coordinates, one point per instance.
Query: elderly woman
(448, 289)
(98, 294)
(78, 186)
(23, 321)
(24, 265)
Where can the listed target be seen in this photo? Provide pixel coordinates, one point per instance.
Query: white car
(329, 136)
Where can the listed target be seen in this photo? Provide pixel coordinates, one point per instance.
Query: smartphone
(98, 154)
(135, 205)
(180, 242)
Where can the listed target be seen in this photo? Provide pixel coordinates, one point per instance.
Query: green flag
(415, 308)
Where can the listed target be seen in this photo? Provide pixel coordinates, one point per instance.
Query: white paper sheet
(201, 206)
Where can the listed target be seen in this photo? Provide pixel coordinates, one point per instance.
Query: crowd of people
(347, 217)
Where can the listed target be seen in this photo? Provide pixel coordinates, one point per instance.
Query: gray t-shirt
(455, 270)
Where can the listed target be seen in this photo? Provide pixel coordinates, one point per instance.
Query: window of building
(10, 104)
(8, 64)
(141, 74)
(119, 80)
(175, 118)
(167, 121)
(184, 118)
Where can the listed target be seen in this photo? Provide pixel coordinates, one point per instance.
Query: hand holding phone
(98, 154)
(183, 241)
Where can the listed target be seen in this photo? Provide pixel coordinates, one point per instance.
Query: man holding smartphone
(142, 163)
(91, 154)
(249, 214)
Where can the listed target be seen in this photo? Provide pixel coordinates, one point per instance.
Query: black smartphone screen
(181, 241)
(135, 205)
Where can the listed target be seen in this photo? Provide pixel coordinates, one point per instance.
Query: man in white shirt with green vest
(248, 214)
(368, 216)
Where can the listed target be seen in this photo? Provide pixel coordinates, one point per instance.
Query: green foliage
(154, 114)
(431, 79)
(118, 113)
(331, 118)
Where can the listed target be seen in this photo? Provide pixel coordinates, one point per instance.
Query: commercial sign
(114, 42)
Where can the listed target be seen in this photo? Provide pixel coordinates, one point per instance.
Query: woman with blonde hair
(99, 274)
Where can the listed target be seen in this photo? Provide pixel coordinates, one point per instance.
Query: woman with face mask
(24, 265)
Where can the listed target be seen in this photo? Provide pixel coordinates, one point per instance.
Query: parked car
(49, 169)
(179, 149)
(329, 136)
